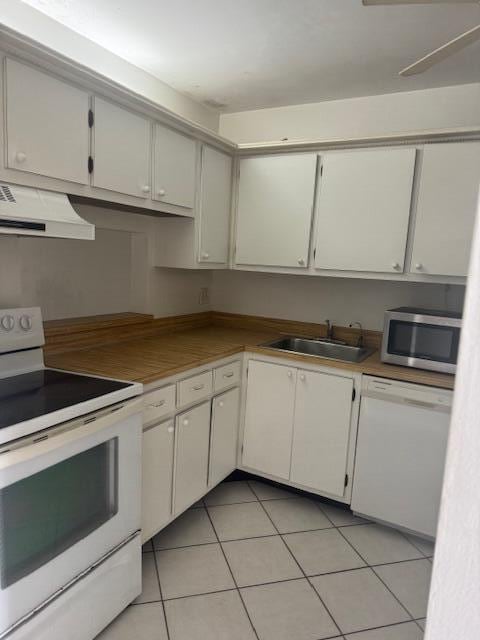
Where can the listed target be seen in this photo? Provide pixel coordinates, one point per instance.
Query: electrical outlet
(204, 296)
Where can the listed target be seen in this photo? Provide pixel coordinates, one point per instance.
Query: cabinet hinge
(354, 394)
(91, 118)
(90, 164)
(346, 480)
(321, 169)
(314, 253)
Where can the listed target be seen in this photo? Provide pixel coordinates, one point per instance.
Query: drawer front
(227, 375)
(194, 389)
(158, 403)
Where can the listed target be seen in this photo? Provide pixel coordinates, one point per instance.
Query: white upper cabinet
(175, 161)
(121, 150)
(364, 209)
(446, 208)
(216, 187)
(275, 203)
(269, 411)
(321, 432)
(46, 124)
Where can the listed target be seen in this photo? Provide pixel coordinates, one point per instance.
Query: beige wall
(442, 108)
(313, 299)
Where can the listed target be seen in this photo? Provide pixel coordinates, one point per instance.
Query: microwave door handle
(45, 445)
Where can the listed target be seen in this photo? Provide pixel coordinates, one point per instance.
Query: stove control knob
(25, 322)
(7, 322)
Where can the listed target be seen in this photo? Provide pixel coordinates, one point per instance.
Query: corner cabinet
(446, 208)
(363, 210)
(299, 427)
(274, 211)
(46, 124)
(204, 241)
(121, 162)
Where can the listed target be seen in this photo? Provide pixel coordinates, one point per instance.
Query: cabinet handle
(161, 192)
(289, 374)
(197, 387)
(396, 266)
(185, 422)
(228, 375)
(146, 188)
(205, 256)
(301, 262)
(419, 266)
(303, 377)
(21, 157)
(170, 429)
(155, 405)
(221, 403)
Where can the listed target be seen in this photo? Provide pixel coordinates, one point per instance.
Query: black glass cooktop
(37, 393)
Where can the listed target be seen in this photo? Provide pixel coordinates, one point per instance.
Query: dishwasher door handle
(420, 403)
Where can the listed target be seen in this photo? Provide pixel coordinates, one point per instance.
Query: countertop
(149, 359)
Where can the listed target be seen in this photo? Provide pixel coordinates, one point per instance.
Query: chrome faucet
(329, 336)
(360, 337)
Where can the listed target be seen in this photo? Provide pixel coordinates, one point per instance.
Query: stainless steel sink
(321, 348)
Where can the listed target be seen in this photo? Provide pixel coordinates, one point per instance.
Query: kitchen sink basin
(321, 348)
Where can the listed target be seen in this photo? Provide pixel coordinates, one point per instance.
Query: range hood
(25, 211)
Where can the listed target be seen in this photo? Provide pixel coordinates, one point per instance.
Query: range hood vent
(25, 211)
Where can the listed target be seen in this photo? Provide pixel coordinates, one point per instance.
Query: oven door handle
(78, 431)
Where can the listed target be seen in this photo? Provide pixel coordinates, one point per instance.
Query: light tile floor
(255, 562)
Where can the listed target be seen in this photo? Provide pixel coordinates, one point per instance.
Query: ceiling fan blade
(368, 3)
(443, 52)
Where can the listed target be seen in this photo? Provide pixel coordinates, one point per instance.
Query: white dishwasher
(400, 458)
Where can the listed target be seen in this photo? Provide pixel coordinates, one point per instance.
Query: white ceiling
(249, 54)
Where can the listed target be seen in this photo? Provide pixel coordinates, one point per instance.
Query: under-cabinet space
(363, 210)
(321, 431)
(224, 436)
(274, 212)
(269, 412)
(46, 124)
(157, 476)
(191, 456)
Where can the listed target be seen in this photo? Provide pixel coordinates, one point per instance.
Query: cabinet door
(275, 203)
(224, 436)
(191, 456)
(121, 142)
(321, 431)
(174, 168)
(46, 124)
(446, 209)
(157, 476)
(269, 418)
(363, 210)
(215, 206)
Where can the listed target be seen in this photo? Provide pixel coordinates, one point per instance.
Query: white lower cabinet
(269, 414)
(191, 456)
(298, 426)
(321, 431)
(224, 436)
(157, 475)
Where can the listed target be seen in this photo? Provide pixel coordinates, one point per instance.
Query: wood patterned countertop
(149, 358)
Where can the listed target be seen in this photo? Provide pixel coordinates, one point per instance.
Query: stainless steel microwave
(422, 338)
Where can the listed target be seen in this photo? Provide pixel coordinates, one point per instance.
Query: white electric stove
(70, 492)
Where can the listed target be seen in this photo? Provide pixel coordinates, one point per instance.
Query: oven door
(66, 500)
(426, 342)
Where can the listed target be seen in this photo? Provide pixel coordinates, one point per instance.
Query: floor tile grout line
(303, 573)
(233, 578)
(161, 594)
(374, 572)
